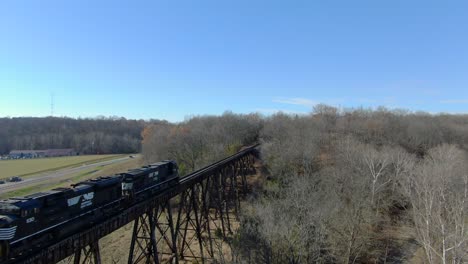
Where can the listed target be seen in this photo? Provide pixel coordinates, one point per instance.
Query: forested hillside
(87, 136)
(352, 186)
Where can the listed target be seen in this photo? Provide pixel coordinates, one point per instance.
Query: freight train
(30, 222)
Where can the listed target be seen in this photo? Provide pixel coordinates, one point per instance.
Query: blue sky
(172, 59)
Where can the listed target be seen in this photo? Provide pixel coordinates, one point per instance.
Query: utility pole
(52, 104)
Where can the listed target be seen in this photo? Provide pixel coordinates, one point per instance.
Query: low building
(30, 154)
(59, 152)
(27, 154)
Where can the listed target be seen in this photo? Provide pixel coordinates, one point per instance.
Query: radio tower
(51, 104)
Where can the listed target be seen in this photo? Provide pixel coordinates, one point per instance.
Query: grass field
(104, 170)
(26, 167)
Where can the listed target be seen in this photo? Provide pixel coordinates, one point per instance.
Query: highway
(56, 175)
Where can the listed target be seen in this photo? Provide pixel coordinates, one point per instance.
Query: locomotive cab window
(156, 176)
(25, 213)
(29, 212)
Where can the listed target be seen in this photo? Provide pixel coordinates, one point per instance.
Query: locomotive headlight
(5, 221)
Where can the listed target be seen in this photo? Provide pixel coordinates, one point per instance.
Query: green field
(72, 178)
(26, 167)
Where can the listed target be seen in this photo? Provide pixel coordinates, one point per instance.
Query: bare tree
(438, 191)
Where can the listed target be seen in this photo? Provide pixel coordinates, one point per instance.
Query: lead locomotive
(27, 223)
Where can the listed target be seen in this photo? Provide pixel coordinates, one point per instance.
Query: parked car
(15, 179)
(2, 182)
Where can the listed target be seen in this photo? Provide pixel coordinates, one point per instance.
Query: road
(9, 186)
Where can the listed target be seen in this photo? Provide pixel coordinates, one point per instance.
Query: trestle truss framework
(191, 222)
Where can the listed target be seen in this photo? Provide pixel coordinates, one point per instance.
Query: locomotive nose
(4, 246)
(7, 231)
(3, 221)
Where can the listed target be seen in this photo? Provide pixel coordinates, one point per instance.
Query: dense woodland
(87, 136)
(338, 181)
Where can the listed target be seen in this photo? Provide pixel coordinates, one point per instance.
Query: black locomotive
(27, 223)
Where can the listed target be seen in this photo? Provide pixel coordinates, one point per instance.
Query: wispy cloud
(270, 111)
(455, 101)
(296, 101)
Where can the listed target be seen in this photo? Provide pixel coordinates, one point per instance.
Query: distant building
(59, 152)
(27, 154)
(30, 154)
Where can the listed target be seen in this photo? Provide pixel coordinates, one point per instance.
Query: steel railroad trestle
(189, 221)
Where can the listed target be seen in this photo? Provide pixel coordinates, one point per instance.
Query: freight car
(30, 222)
